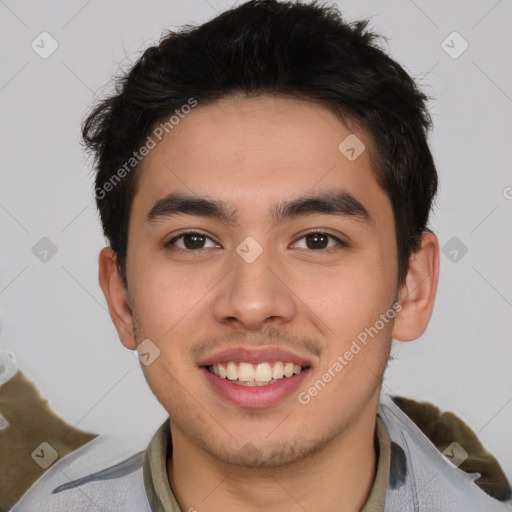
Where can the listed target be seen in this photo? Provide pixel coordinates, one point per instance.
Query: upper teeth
(261, 372)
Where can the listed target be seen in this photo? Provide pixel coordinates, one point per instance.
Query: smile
(260, 374)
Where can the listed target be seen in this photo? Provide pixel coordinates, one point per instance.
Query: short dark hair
(304, 50)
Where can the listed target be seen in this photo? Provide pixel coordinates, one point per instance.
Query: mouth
(254, 377)
(260, 374)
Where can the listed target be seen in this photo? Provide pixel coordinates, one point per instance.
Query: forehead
(253, 152)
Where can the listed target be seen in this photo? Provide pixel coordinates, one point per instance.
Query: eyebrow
(339, 202)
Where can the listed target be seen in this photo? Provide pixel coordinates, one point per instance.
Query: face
(253, 281)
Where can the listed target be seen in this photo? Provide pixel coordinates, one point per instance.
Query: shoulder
(424, 478)
(98, 476)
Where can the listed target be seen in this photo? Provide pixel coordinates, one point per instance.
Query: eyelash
(170, 244)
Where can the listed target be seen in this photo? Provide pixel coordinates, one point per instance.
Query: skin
(252, 153)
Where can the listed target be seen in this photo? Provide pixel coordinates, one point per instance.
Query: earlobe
(417, 294)
(117, 297)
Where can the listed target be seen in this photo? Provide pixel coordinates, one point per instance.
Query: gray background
(52, 313)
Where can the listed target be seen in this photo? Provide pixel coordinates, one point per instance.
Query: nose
(254, 294)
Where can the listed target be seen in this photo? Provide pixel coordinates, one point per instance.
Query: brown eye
(190, 241)
(320, 241)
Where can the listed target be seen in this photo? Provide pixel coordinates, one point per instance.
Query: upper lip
(254, 355)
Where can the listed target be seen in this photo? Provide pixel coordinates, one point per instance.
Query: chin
(267, 455)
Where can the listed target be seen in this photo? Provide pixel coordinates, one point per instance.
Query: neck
(337, 477)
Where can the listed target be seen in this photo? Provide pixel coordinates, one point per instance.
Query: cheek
(165, 294)
(349, 298)
(357, 338)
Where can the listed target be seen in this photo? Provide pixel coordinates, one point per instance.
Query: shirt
(412, 473)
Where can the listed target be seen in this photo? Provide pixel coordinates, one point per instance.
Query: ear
(117, 297)
(417, 294)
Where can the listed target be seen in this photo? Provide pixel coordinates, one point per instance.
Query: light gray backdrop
(52, 313)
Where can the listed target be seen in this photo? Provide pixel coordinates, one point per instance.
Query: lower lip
(255, 397)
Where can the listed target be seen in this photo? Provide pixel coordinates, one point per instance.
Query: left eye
(319, 241)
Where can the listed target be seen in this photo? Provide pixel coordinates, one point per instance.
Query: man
(265, 183)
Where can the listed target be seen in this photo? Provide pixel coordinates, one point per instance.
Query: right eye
(189, 241)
